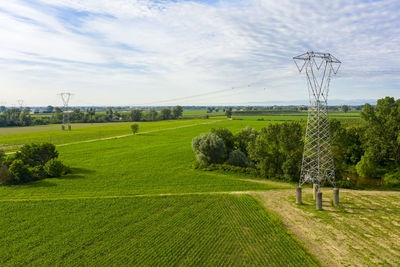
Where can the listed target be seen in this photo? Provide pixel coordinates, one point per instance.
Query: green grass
(10, 142)
(152, 163)
(146, 231)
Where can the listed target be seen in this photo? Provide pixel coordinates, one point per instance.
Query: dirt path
(363, 231)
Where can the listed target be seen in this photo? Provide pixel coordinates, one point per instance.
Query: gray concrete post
(63, 127)
(315, 190)
(69, 127)
(319, 201)
(336, 196)
(298, 195)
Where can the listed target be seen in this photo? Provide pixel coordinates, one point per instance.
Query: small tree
(238, 158)
(345, 108)
(135, 128)
(228, 113)
(209, 148)
(54, 168)
(177, 112)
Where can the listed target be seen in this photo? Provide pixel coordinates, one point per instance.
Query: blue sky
(138, 52)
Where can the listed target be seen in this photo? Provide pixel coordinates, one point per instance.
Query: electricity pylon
(65, 97)
(20, 103)
(317, 165)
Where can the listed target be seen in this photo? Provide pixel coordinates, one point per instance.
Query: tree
(209, 148)
(177, 112)
(345, 108)
(228, 112)
(135, 128)
(49, 109)
(165, 114)
(238, 158)
(245, 137)
(37, 154)
(2, 109)
(135, 115)
(109, 113)
(152, 115)
(19, 172)
(381, 140)
(226, 136)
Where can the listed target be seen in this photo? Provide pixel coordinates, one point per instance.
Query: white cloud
(125, 52)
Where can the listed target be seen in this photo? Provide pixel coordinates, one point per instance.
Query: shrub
(392, 178)
(209, 148)
(37, 154)
(4, 175)
(54, 168)
(135, 128)
(238, 158)
(37, 173)
(19, 172)
(226, 136)
(2, 156)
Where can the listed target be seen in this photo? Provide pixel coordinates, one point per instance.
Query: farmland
(137, 200)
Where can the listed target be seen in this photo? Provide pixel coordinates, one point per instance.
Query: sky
(228, 52)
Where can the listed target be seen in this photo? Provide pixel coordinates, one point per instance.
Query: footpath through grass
(208, 230)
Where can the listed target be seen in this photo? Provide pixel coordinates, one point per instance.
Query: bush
(37, 173)
(392, 178)
(209, 148)
(37, 154)
(19, 172)
(4, 175)
(54, 168)
(238, 158)
(226, 136)
(135, 128)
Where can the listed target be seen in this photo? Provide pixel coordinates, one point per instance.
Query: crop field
(183, 230)
(52, 134)
(137, 200)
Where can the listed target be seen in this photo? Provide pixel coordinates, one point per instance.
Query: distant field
(53, 134)
(207, 230)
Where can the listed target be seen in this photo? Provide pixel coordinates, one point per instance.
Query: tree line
(368, 150)
(18, 117)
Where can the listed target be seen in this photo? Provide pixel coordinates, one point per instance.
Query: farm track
(126, 135)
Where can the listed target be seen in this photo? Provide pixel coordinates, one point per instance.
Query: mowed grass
(10, 142)
(152, 163)
(363, 231)
(210, 230)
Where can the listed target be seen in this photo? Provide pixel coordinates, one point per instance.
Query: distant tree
(165, 114)
(76, 115)
(135, 115)
(109, 113)
(2, 109)
(345, 108)
(209, 148)
(152, 115)
(49, 109)
(177, 112)
(135, 128)
(228, 113)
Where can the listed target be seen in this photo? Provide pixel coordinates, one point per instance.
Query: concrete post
(298, 195)
(63, 127)
(69, 127)
(315, 190)
(336, 196)
(319, 201)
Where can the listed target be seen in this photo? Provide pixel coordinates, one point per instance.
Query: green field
(137, 200)
(146, 231)
(52, 133)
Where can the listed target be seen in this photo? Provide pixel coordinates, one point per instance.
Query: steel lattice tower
(317, 165)
(65, 97)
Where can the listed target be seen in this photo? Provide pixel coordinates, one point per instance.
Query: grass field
(137, 200)
(53, 134)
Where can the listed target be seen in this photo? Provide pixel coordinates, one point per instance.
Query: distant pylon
(65, 97)
(317, 165)
(20, 103)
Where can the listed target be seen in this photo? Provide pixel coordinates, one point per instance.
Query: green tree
(345, 108)
(135, 115)
(244, 138)
(135, 128)
(152, 115)
(177, 112)
(228, 113)
(381, 140)
(19, 172)
(226, 136)
(209, 148)
(49, 109)
(37, 154)
(165, 114)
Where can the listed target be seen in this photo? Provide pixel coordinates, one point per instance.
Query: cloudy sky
(139, 52)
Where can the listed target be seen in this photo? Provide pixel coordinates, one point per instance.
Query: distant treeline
(370, 150)
(18, 117)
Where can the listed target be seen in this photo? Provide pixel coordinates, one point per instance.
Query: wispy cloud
(126, 52)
